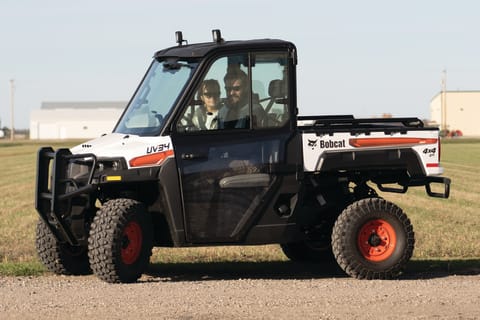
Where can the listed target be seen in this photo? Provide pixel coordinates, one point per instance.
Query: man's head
(236, 87)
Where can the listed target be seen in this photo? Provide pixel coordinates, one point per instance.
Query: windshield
(155, 97)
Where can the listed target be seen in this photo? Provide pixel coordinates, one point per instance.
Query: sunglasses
(234, 88)
(211, 94)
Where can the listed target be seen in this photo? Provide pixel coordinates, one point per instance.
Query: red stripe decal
(383, 142)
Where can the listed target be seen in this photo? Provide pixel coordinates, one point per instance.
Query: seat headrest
(276, 88)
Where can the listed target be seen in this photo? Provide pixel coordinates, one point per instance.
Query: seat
(276, 90)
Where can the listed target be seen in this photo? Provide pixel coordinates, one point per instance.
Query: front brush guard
(50, 198)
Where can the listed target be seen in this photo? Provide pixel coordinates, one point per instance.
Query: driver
(236, 112)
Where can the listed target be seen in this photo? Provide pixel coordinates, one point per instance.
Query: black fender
(171, 201)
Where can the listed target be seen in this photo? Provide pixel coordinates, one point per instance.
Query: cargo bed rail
(346, 123)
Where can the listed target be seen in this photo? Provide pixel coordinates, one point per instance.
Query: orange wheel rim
(377, 240)
(131, 242)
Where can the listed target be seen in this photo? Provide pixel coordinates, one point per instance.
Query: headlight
(111, 165)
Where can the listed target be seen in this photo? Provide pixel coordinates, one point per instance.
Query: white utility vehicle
(268, 176)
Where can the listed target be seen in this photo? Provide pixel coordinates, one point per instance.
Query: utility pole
(12, 104)
(444, 101)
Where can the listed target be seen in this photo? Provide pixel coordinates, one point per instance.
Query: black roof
(198, 50)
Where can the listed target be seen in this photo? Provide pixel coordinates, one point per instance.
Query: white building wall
(72, 123)
(462, 111)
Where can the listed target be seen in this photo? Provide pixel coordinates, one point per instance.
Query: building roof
(75, 115)
(83, 105)
(456, 92)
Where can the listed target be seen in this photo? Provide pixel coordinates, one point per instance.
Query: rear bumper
(427, 181)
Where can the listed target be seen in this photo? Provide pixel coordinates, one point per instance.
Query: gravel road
(256, 296)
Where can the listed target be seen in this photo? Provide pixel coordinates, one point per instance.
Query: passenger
(236, 112)
(206, 117)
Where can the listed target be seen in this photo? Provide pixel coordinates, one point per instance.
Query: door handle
(194, 156)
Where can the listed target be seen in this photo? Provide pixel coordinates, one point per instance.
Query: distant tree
(6, 132)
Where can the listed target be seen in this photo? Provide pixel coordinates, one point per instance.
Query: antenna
(179, 38)
(217, 36)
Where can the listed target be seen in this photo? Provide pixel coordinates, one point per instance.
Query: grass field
(444, 229)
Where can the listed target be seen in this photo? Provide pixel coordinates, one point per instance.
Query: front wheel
(57, 257)
(120, 242)
(373, 239)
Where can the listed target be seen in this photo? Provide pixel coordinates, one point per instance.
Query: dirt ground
(244, 294)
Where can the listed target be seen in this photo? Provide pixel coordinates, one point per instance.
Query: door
(229, 143)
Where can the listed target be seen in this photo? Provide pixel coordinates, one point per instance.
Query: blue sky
(355, 57)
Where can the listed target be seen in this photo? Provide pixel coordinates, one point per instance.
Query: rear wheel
(373, 239)
(120, 242)
(60, 258)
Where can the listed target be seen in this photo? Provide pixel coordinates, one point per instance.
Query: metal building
(457, 111)
(74, 120)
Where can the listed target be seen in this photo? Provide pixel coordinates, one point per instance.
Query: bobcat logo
(312, 143)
